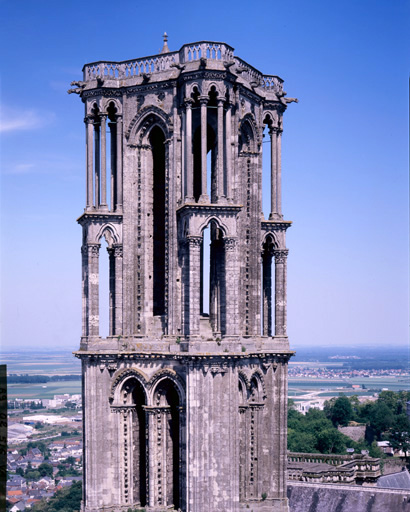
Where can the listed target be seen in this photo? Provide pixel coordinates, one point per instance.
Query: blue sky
(345, 153)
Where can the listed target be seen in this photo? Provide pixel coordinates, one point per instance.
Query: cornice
(99, 216)
(208, 358)
(275, 225)
(208, 208)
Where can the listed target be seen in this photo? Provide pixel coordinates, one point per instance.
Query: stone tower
(185, 400)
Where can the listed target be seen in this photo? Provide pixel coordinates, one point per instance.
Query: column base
(204, 199)
(275, 216)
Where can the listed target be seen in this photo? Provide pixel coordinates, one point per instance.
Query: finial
(165, 48)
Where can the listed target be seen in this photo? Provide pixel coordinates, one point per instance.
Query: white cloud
(62, 165)
(12, 119)
(22, 168)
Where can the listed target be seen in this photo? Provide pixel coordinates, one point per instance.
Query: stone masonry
(185, 400)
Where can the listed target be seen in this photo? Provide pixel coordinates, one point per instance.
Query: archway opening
(268, 287)
(112, 156)
(157, 142)
(104, 289)
(168, 422)
(205, 265)
(133, 395)
(266, 172)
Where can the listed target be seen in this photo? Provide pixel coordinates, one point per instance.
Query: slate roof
(399, 480)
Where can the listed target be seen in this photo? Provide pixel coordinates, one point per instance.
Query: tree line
(385, 419)
(39, 379)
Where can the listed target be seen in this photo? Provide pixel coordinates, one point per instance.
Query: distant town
(45, 429)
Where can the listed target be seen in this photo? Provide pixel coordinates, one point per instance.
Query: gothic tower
(185, 399)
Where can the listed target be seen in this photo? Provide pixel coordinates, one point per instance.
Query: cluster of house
(342, 373)
(23, 492)
(57, 402)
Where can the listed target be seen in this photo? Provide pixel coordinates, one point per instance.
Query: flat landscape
(323, 371)
(41, 363)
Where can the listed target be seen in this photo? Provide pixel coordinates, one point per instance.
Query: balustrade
(190, 52)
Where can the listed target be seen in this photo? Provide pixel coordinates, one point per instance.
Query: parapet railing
(346, 467)
(189, 52)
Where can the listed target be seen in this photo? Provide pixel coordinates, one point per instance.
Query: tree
(339, 411)
(66, 500)
(331, 440)
(399, 434)
(301, 442)
(32, 475)
(381, 418)
(45, 469)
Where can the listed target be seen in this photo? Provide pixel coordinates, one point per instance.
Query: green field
(27, 391)
(47, 363)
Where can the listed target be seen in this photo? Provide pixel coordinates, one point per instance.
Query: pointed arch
(120, 377)
(269, 239)
(217, 221)
(106, 102)
(110, 233)
(257, 390)
(248, 135)
(167, 373)
(144, 120)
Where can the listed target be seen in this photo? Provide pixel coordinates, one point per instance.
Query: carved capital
(117, 251)
(273, 130)
(203, 100)
(188, 102)
(281, 255)
(230, 244)
(194, 242)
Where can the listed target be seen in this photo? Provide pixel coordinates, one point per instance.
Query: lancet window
(251, 403)
(133, 402)
(104, 150)
(165, 447)
(206, 128)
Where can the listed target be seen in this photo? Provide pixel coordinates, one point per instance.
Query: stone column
(194, 248)
(188, 151)
(103, 124)
(220, 167)
(89, 164)
(204, 146)
(279, 174)
(93, 290)
(273, 172)
(231, 286)
(97, 182)
(118, 177)
(228, 152)
(280, 291)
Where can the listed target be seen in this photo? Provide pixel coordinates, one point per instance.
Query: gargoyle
(229, 64)
(79, 89)
(181, 67)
